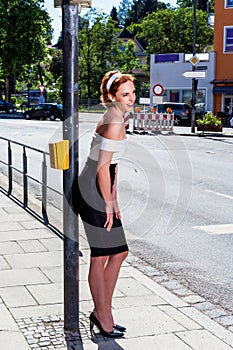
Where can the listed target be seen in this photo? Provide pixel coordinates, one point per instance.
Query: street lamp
(70, 10)
(80, 3)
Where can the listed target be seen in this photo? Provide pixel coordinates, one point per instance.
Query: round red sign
(158, 89)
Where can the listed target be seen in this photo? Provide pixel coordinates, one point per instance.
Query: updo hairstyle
(123, 78)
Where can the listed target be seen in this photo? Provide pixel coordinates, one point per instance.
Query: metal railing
(43, 183)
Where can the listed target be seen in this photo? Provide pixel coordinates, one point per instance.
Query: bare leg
(102, 279)
(111, 273)
(97, 287)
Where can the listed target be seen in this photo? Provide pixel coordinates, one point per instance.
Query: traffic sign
(194, 74)
(158, 89)
(194, 60)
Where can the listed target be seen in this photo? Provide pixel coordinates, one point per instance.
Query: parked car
(44, 111)
(7, 107)
(182, 111)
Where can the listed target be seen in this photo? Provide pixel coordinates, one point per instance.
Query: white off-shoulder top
(117, 147)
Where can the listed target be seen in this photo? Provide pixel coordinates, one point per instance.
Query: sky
(101, 5)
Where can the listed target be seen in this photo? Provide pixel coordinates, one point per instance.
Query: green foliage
(209, 119)
(201, 4)
(25, 32)
(168, 31)
(100, 50)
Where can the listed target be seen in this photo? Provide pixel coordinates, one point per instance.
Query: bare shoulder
(115, 131)
(112, 128)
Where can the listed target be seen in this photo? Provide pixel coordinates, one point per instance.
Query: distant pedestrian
(96, 200)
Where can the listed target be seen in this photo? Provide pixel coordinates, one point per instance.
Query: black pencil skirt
(89, 204)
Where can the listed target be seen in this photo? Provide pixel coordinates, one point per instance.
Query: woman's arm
(114, 195)
(104, 182)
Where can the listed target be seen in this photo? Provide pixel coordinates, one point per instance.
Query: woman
(97, 200)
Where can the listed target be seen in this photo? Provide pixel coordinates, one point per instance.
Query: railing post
(25, 179)
(44, 190)
(9, 169)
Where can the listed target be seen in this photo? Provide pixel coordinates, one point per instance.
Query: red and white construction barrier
(126, 121)
(153, 122)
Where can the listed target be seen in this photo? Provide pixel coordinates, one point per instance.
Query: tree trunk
(8, 88)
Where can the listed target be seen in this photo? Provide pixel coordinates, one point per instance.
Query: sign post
(194, 60)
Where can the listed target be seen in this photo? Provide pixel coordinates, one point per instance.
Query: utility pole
(70, 10)
(70, 132)
(194, 81)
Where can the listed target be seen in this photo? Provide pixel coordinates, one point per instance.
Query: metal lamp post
(194, 81)
(70, 10)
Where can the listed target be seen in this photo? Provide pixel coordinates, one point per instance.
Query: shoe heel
(92, 329)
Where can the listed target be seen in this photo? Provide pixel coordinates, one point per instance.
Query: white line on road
(220, 194)
(216, 229)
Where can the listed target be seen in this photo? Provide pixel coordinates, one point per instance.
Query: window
(229, 3)
(228, 39)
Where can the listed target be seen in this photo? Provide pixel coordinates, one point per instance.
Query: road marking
(220, 194)
(216, 229)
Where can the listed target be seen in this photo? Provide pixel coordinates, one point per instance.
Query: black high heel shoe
(115, 333)
(120, 328)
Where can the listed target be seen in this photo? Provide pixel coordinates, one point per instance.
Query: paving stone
(52, 243)
(225, 320)
(178, 316)
(131, 287)
(10, 248)
(40, 310)
(17, 296)
(32, 246)
(19, 277)
(13, 340)
(30, 260)
(54, 273)
(172, 285)
(15, 235)
(3, 264)
(7, 323)
(193, 299)
(183, 292)
(202, 340)
(155, 342)
(160, 279)
(216, 313)
(204, 306)
(31, 224)
(47, 293)
(5, 227)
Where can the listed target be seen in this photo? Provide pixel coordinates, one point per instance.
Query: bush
(209, 119)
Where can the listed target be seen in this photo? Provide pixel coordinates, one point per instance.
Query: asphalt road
(176, 196)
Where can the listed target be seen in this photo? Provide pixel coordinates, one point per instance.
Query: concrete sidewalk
(31, 298)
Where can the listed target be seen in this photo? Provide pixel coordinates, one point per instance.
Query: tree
(168, 31)
(123, 10)
(114, 16)
(25, 32)
(201, 4)
(141, 8)
(97, 49)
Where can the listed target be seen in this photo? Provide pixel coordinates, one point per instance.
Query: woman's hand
(109, 216)
(116, 209)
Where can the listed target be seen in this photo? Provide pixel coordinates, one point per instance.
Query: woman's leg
(102, 279)
(96, 281)
(111, 273)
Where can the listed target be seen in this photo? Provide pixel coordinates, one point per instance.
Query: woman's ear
(111, 97)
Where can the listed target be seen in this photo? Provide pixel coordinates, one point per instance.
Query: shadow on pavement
(18, 115)
(106, 343)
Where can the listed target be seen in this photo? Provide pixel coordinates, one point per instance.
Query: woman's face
(125, 96)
